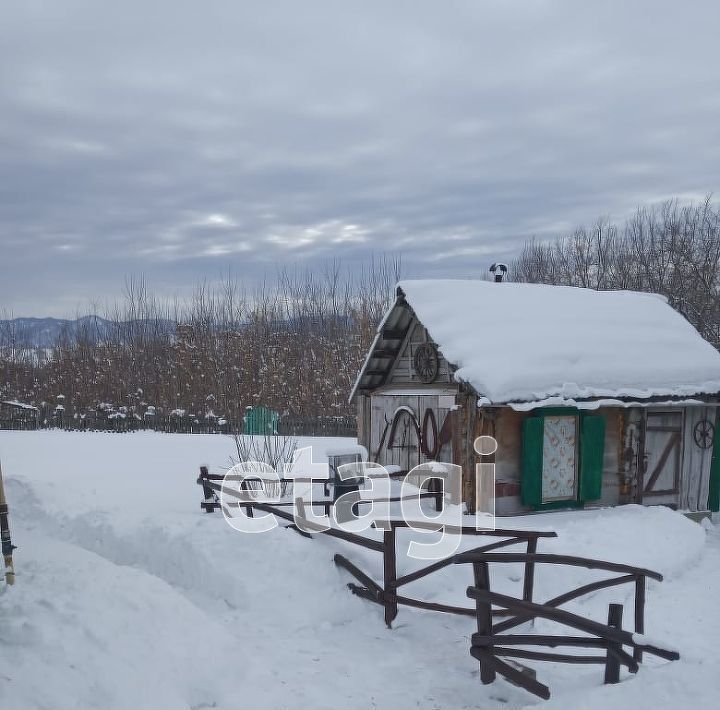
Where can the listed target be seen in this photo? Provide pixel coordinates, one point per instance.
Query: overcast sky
(182, 139)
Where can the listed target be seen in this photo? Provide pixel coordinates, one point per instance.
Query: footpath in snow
(129, 597)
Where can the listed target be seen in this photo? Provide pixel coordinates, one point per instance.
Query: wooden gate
(661, 458)
(403, 434)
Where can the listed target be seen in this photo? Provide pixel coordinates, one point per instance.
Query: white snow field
(129, 597)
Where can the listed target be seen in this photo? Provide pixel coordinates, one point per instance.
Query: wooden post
(529, 581)
(469, 456)
(639, 613)
(612, 662)
(481, 573)
(437, 488)
(209, 504)
(389, 575)
(639, 482)
(249, 511)
(6, 542)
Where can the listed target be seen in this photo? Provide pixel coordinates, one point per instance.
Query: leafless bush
(272, 449)
(670, 249)
(293, 343)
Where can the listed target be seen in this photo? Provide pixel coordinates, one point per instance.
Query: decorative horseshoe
(430, 422)
(399, 412)
(704, 433)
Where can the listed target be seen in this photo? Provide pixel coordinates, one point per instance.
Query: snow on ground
(129, 597)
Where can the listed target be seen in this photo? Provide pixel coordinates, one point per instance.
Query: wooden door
(662, 457)
(700, 437)
(402, 447)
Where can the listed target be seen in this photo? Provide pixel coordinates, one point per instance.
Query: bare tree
(670, 249)
(294, 343)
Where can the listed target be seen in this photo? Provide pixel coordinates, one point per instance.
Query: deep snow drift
(128, 596)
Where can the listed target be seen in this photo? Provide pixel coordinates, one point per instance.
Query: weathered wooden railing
(489, 643)
(385, 593)
(250, 483)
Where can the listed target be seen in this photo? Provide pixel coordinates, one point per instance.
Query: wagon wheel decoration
(426, 363)
(704, 433)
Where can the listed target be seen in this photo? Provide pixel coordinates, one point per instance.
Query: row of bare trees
(297, 342)
(294, 344)
(671, 249)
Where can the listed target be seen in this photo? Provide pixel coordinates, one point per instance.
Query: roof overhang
(600, 402)
(386, 346)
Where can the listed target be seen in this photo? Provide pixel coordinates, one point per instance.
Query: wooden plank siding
(696, 462)
(622, 449)
(507, 427)
(402, 370)
(612, 456)
(402, 388)
(383, 409)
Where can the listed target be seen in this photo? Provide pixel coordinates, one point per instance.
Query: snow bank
(129, 597)
(81, 632)
(519, 342)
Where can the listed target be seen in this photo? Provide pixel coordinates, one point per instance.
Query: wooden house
(18, 415)
(594, 397)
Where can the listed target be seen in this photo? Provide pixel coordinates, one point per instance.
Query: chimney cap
(498, 269)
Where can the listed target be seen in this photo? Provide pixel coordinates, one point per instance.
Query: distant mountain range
(44, 332)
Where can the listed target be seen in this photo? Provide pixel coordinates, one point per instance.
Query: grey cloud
(179, 139)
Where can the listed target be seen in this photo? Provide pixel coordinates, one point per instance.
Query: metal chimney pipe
(499, 270)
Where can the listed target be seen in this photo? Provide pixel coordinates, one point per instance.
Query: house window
(562, 458)
(559, 466)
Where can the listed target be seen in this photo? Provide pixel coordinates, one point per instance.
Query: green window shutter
(714, 495)
(592, 450)
(532, 461)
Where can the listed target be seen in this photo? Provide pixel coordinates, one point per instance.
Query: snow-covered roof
(526, 342)
(20, 405)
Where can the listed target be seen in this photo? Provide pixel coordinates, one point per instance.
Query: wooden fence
(287, 426)
(489, 645)
(317, 426)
